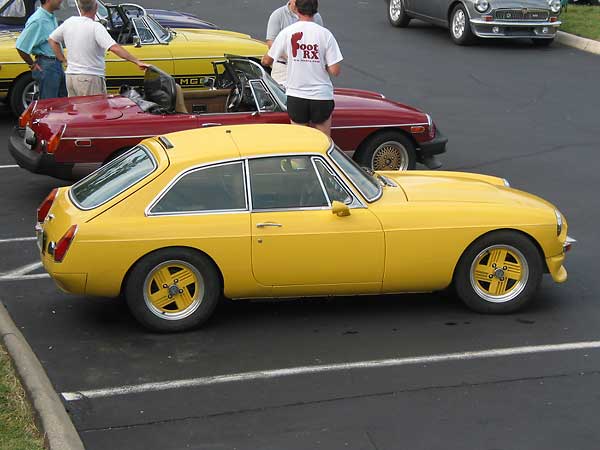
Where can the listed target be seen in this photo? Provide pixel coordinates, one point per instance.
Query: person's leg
(325, 127)
(47, 79)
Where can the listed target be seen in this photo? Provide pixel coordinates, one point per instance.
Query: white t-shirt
(309, 48)
(87, 42)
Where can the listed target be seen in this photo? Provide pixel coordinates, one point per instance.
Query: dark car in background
(14, 14)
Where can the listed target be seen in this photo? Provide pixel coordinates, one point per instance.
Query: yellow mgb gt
(256, 211)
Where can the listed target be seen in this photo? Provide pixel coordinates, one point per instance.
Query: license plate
(29, 136)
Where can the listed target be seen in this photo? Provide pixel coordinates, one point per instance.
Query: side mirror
(339, 209)
(137, 43)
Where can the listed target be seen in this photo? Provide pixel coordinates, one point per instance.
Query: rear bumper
(35, 162)
(433, 147)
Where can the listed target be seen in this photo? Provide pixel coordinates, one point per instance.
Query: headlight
(554, 5)
(483, 5)
(506, 183)
(559, 222)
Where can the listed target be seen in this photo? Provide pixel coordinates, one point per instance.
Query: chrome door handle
(268, 224)
(211, 124)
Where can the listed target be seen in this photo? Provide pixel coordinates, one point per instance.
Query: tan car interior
(201, 101)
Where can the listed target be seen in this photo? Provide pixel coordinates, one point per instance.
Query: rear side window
(215, 188)
(115, 177)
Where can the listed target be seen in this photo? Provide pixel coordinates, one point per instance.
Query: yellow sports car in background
(182, 219)
(185, 54)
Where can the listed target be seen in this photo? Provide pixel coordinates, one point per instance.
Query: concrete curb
(52, 419)
(587, 45)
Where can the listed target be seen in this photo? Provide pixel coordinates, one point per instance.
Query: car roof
(205, 145)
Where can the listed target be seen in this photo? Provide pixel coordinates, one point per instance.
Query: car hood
(460, 187)
(374, 104)
(223, 41)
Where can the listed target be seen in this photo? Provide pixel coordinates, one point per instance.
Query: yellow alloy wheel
(499, 273)
(173, 290)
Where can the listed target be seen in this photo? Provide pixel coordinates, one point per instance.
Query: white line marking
(12, 166)
(2, 241)
(268, 374)
(22, 273)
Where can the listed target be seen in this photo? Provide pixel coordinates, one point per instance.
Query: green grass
(17, 428)
(582, 20)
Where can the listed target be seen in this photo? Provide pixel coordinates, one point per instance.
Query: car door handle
(211, 124)
(268, 224)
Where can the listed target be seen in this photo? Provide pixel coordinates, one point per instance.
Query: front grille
(522, 14)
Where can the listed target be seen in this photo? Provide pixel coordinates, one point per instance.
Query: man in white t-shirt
(87, 42)
(312, 56)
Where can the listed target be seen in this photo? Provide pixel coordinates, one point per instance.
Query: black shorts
(303, 111)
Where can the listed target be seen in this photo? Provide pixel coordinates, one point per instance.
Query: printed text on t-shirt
(310, 52)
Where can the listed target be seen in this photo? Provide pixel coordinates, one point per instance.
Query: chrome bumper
(568, 243)
(512, 30)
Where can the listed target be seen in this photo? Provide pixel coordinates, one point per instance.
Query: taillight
(432, 130)
(60, 250)
(53, 142)
(26, 116)
(44, 208)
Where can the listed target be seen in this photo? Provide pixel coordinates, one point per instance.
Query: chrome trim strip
(154, 167)
(148, 211)
(380, 126)
(516, 24)
(314, 166)
(106, 137)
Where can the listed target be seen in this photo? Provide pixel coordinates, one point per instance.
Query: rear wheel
(390, 150)
(460, 26)
(173, 289)
(23, 92)
(397, 14)
(499, 273)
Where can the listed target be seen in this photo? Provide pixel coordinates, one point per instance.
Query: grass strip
(17, 427)
(581, 20)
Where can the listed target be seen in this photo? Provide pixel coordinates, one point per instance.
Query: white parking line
(2, 241)
(277, 373)
(12, 166)
(22, 273)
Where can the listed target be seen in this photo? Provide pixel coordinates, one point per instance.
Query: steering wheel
(125, 34)
(234, 100)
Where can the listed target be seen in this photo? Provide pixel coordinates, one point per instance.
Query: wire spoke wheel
(499, 273)
(390, 155)
(173, 290)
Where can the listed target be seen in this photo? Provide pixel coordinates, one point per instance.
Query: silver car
(469, 19)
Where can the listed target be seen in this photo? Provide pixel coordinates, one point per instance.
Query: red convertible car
(59, 137)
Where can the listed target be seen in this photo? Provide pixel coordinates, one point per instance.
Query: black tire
(542, 42)
(466, 37)
(473, 264)
(377, 152)
(17, 106)
(397, 14)
(204, 294)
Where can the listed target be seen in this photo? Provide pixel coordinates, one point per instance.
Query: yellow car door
(298, 241)
(147, 41)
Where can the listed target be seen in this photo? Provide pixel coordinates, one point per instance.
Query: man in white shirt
(87, 42)
(312, 55)
(279, 19)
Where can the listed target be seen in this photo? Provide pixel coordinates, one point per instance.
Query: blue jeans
(51, 79)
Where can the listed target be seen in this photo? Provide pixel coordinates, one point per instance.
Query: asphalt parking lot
(509, 109)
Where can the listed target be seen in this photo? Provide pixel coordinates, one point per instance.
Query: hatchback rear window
(115, 177)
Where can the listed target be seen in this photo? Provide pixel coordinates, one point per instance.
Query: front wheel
(499, 273)
(173, 289)
(23, 92)
(397, 14)
(390, 150)
(460, 26)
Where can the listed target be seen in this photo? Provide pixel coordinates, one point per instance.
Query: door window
(334, 188)
(285, 182)
(209, 189)
(264, 101)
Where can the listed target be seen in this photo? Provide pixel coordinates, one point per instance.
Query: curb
(50, 414)
(587, 45)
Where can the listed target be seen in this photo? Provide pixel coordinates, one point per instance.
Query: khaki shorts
(85, 85)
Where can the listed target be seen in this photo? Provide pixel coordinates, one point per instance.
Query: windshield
(113, 178)
(161, 33)
(254, 71)
(365, 183)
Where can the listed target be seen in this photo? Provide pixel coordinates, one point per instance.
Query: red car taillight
(432, 130)
(44, 208)
(53, 143)
(26, 116)
(65, 242)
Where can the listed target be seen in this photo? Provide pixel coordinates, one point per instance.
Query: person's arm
(269, 42)
(273, 29)
(57, 48)
(122, 53)
(25, 43)
(275, 51)
(334, 70)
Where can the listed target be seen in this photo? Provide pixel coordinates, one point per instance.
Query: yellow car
(255, 211)
(186, 54)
